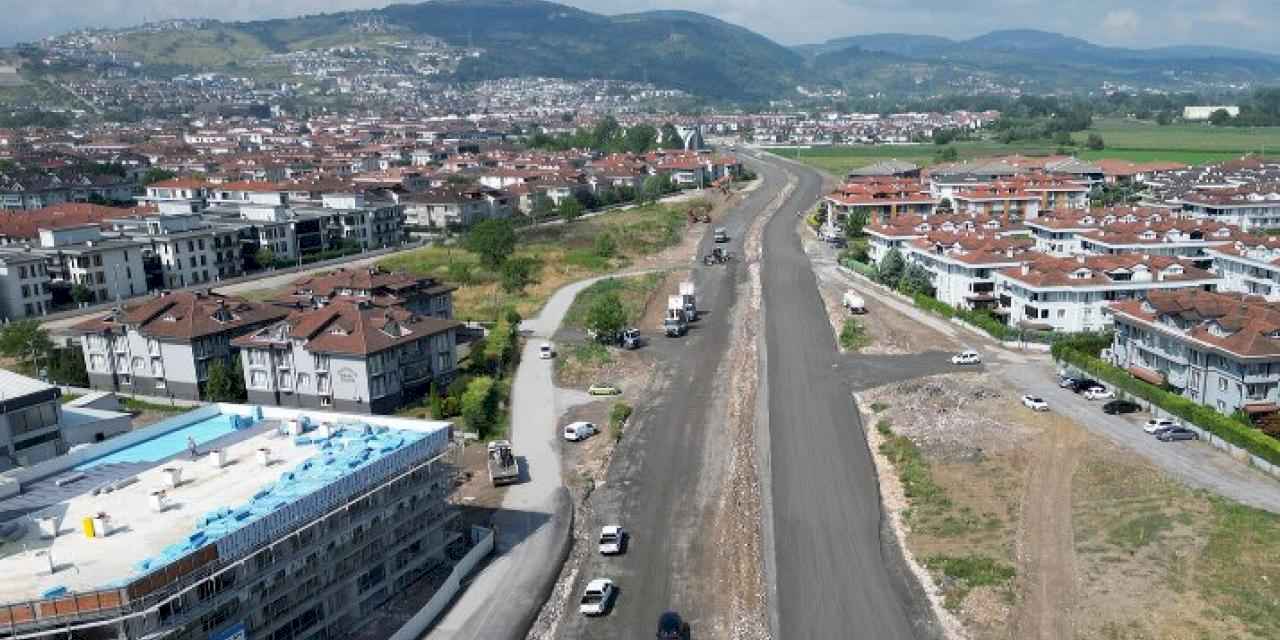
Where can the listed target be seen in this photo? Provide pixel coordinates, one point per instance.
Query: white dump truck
(853, 303)
(676, 323)
(689, 298)
(503, 468)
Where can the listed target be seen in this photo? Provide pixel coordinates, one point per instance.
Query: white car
(546, 351)
(577, 431)
(598, 597)
(1099, 393)
(1035, 403)
(611, 540)
(1155, 425)
(966, 357)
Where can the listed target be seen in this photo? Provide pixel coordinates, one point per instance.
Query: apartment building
(879, 200)
(1073, 294)
(455, 208)
(24, 284)
(189, 249)
(898, 233)
(349, 355)
(29, 421)
(1245, 207)
(109, 269)
(255, 535)
(962, 266)
(1219, 349)
(1130, 230)
(382, 288)
(177, 195)
(164, 346)
(1249, 265)
(1009, 200)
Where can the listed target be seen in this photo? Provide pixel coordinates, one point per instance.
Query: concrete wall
(418, 624)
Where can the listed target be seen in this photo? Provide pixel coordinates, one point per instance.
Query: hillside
(683, 50)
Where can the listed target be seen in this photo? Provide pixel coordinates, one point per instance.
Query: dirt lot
(1032, 528)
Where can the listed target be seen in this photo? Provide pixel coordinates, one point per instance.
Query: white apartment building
(455, 208)
(111, 269)
(962, 266)
(178, 195)
(1072, 294)
(1250, 210)
(1251, 267)
(24, 284)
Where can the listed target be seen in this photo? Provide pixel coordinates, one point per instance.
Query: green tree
(948, 154)
(1063, 139)
(480, 405)
(492, 240)
(154, 175)
(606, 316)
(1164, 119)
(26, 341)
(641, 138)
(944, 204)
(605, 245)
(915, 280)
(81, 294)
(224, 384)
(654, 187)
(671, 138)
(1095, 142)
(605, 134)
(265, 258)
(66, 366)
(1220, 118)
(891, 268)
(570, 209)
(518, 273)
(461, 273)
(542, 206)
(855, 221)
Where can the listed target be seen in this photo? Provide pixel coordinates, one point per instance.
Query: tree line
(610, 137)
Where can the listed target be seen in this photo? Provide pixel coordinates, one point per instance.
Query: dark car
(1177, 433)
(1079, 385)
(1120, 406)
(671, 627)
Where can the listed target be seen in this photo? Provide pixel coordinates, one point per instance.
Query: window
(304, 381)
(97, 260)
(33, 418)
(322, 383)
(258, 379)
(97, 362)
(26, 291)
(1222, 384)
(326, 401)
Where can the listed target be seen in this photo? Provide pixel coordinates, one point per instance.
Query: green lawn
(1136, 135)
(634, 291)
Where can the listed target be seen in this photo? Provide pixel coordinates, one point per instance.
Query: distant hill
(684, 50)
(1034, 61)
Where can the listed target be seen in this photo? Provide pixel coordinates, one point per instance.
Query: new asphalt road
(654, 483)
(837, 575)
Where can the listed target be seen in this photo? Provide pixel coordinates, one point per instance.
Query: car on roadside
(1065, 382)
(1099, 393)
(598, 597)
(1177, 433)
(721, 235)
(546, 351)
(1080, 385)
(968, 356)
(1117, 407)
(604, 389)
(1155, 425)
(611, 540)
(579, 431)
(1035, 403)
(672, 627)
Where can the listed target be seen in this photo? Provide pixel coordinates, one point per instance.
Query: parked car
(721, 235)
(672, 627)
(611, 540)
(1080, 385)
(1065, 382)
(1177, 433)
(577, 431)
(1099, 393)
(1155, 425)
(603, 389)
(968, 356)
(1035, 403)
(598, 597)
(546, 351)
(1116, 407)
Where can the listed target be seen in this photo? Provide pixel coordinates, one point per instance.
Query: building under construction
(227, 522)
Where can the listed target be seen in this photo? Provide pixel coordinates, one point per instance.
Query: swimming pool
(163, 446)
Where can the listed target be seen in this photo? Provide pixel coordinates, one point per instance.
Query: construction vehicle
(853, 302)
(631, 339)
(676, 323)
(687, 296)
(503, 468)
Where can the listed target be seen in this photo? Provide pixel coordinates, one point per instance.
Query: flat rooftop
(208, 504)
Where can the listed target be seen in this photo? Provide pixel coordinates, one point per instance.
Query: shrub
(618, 416)
(480, 406)
(852, 335)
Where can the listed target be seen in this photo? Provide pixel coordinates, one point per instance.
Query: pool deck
(137, 531)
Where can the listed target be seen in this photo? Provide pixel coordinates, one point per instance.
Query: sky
(1135, 23)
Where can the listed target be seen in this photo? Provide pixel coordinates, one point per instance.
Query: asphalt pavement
(655, 481)
(836, 574)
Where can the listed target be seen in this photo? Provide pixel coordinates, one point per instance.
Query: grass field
(633, 291)
(565, 252)
(1131, 140)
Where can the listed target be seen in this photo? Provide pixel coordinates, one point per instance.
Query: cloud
(1120, 23)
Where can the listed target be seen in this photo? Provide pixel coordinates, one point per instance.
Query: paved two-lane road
(835, 576)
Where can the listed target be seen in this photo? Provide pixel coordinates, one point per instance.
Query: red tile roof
(1246, 326)
(184, 315)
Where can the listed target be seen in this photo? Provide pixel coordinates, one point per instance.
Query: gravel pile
(952, 417)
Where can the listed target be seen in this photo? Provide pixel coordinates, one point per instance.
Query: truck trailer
(676, 323)
(689, 300)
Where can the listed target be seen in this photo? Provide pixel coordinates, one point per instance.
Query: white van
(576, 431)
(545, 352)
